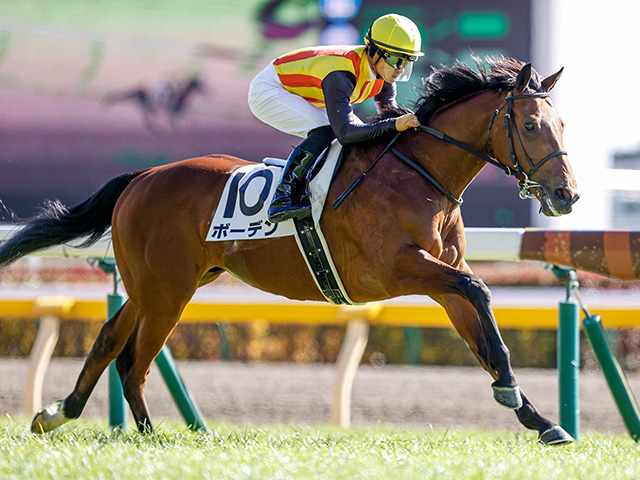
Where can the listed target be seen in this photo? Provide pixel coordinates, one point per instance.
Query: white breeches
(275, 106)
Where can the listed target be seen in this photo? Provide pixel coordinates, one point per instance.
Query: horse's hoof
(555, 436)
(508, 396)
(49, 419)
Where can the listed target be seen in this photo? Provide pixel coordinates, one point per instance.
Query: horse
(400, 232)
(164, 96)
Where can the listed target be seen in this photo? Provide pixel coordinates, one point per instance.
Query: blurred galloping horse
(162, 98)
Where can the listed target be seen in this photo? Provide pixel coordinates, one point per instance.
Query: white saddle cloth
(242, 213)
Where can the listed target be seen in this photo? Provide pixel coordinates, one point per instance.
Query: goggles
(396, 61)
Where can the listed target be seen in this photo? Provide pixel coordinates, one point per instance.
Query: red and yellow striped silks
(302, 71)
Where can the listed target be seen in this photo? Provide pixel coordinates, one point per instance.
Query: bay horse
(398, 233)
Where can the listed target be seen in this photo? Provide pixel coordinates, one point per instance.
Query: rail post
(181, 396)
(569, 360)
(614, 375)
(413, 342)
(49, 309)
(568, 355)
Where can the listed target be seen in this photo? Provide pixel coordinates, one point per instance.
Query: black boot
(284, 206)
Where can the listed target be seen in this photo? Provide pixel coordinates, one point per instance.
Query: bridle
(524, 181)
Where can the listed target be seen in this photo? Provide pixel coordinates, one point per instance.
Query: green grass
(89, 450)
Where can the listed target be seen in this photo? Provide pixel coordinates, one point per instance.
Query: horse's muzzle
(566, 197)
(560, 202)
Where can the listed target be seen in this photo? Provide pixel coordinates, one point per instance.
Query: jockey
(310, 92)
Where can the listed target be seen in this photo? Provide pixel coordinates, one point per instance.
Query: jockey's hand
(407, 121)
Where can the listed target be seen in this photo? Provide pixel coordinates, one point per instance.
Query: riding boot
(284, 205)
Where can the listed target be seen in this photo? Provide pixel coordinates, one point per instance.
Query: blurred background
(90, 90)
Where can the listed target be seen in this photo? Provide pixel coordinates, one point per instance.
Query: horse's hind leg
(111, 339)
(135, 360)
(418, 272)
(465, 320)
(489, 346)
(160, 298)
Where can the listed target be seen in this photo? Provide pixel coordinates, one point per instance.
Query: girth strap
(318, 262)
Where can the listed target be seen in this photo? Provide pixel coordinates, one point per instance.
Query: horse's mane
(448, 84)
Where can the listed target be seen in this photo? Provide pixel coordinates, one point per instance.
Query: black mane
(448, 84)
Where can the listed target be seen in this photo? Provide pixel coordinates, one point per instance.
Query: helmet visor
(398, 63)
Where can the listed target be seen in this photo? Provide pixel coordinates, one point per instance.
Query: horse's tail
(57, 224)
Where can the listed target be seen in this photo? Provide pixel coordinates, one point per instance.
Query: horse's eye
(529, 126)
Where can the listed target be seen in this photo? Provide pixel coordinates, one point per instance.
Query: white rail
(483, 244)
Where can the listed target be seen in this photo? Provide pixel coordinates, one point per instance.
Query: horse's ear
(523, 78)
(550, 82)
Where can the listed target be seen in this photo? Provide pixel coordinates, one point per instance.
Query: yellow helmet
(395, 34)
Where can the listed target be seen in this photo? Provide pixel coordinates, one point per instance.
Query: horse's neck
(450, 165)
(467, 121)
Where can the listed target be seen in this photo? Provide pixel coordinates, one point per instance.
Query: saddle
(242, 215)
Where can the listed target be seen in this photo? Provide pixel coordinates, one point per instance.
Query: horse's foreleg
(466, 322)
(110, 341)
(549, 432)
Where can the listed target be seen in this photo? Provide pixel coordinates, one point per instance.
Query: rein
(355, 183)
(524, 182)
(426, 175)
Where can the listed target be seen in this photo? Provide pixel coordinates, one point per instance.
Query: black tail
(57, 225)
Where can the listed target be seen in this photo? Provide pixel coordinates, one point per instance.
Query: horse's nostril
(563, 195)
